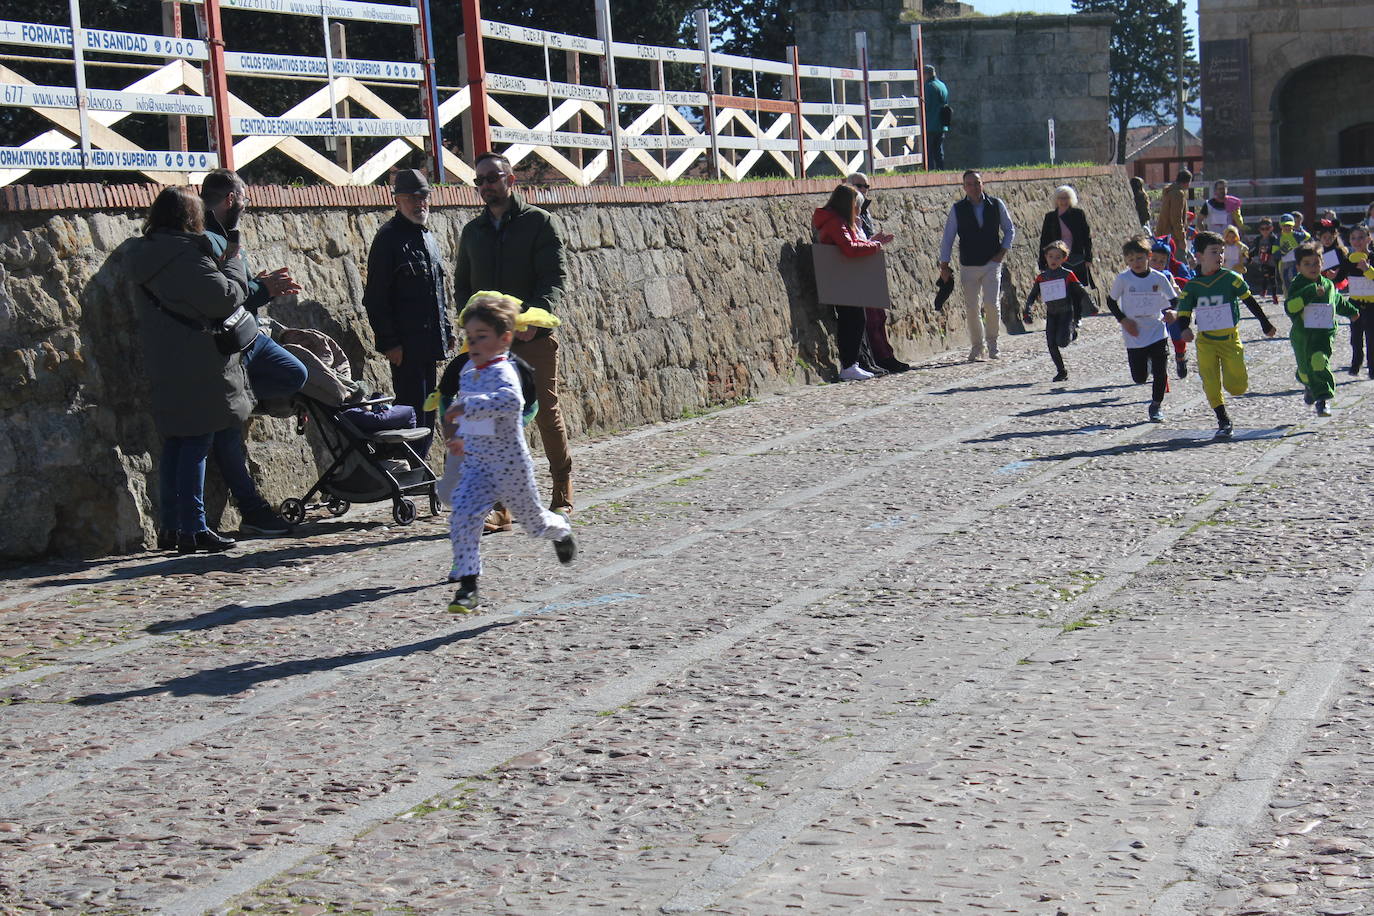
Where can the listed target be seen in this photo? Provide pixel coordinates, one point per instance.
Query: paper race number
(1213, 313)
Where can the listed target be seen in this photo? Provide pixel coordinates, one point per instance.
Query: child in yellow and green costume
(1313, 303)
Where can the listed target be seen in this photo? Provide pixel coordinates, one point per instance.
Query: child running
(1139, 300)
(1234, 256)
(1063, 296)
(1266, 251)
(490, 438)
(1290, 237)
(1361, 294)
(1213, 298)
(1313, 303)
(1162, 259)
(1335, 264)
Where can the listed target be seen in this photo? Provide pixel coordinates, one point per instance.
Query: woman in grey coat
(195, 390)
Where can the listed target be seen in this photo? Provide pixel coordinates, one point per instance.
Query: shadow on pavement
(199, 563)
(1183, 440)
(1044, 411)
(1098, 390)
(236, 678)
(1042, 433)
(236, 613)
(970, 389)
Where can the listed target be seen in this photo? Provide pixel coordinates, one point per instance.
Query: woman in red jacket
(837, 223)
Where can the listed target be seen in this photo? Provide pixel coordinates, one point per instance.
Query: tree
(1144, 64)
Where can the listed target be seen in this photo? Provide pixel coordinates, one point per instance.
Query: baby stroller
(368, 462)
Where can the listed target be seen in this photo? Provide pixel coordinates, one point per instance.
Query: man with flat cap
(406, 301)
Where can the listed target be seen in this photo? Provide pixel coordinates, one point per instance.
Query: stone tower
(1285, 86)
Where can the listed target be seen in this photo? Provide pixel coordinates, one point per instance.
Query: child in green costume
(1313, 304)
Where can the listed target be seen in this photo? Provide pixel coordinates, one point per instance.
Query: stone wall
(1007, 75)
(676, 304)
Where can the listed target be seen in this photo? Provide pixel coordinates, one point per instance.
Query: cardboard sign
(841, 280)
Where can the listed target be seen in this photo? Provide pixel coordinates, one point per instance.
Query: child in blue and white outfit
(490, 438)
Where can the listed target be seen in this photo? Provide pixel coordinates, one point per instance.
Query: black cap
(410, 181)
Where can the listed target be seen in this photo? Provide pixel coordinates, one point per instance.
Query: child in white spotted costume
(490, 438)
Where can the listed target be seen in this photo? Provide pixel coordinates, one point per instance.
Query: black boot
(1224, 427)
(566, 548)
(206, 541)
(465, 599)
(893, 364)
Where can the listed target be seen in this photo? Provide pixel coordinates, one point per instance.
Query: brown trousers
(542, 355)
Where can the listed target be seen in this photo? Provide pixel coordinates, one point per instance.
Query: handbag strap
(175, 316)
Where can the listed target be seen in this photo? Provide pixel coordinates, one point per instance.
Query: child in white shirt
(1142, 299)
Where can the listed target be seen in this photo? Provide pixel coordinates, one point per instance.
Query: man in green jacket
(517, 249)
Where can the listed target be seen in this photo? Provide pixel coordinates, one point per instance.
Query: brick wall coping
(57, 198)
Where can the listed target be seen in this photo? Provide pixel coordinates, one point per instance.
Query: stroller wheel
(337, 507)
(293, 511)
(403, 511)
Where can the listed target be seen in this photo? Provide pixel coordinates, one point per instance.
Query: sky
(997, 7)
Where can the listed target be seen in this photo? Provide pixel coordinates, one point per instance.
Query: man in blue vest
(983, 226)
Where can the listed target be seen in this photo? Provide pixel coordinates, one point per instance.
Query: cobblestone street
(955, 641)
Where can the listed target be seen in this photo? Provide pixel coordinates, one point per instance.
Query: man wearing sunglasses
(517, 249)
(406, 300)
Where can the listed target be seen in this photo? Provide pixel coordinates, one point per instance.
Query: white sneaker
(855, 373)
(975, 355)
(992, 351)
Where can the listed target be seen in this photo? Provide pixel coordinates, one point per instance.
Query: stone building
(1285, 85)
(1007, 75)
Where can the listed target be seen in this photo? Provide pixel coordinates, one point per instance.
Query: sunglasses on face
(493, 178)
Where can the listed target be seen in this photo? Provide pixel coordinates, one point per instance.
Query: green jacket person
(1313, 304)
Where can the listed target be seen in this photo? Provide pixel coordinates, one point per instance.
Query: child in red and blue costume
(1162, 259)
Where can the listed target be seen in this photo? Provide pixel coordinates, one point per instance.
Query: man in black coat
(406, 300)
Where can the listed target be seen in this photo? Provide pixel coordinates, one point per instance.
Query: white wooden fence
(718, 114)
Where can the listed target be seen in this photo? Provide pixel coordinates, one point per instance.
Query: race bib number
(1362, 287)
(1319, 315)
(477, 427)
(1050, 290)
(1331, 259)
(1214, 314)
(1143, 305)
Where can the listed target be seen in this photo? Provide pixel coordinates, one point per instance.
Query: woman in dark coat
(195, 391)
(1068, 224)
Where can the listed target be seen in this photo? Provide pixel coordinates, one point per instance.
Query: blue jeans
(181, 483)
(272, 371)
(233, 467)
